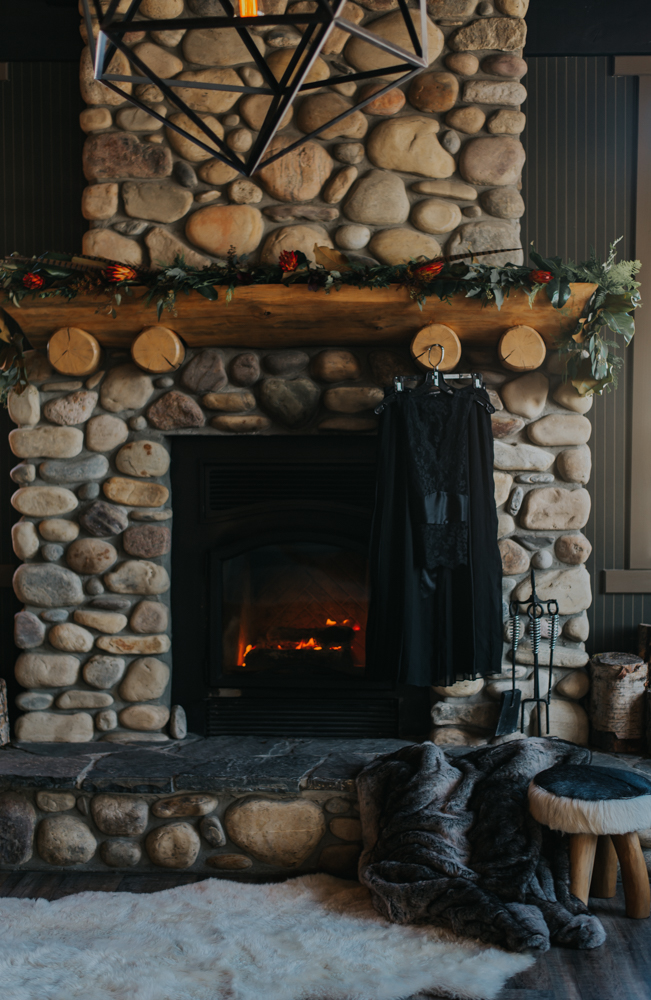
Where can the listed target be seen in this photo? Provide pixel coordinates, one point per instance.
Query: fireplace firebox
(270, 590)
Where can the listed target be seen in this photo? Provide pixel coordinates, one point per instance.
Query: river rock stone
(219, 227)
(216, 172)
(245, 369)
(134, 644)
(104, 433)
(240, 424)
(54, 802)
(47, 586)
(46, 442)
(214, 101)
(160, 201)
(378, 198)
(573, 549)
(509, 457)
(24, 539)
(111, 603)
(319, 109)
(446, 189)
(242, 191)
(144, 717)
(479, 716)
(503, 483)
(89, 556)
(65, 840)
(339, 185)
(147, 678)
(349, 152)
(577, 629)
(571, 587)
(23, 473)
(279, 60)
(575, 464)
(175, 845)
(212, 831)
(103, 671)
(138, 120)
(352, 399)
(398, 246)
(52, 553)
(463, 63)
(574, 685)
(143, 458)
(94, 92)
(505, 65)
(79, 471)
(505, 524)
(29, 631)
(298, 176)
(507, 123)
(505, 33)
(108, 622)
(292, 402)
(84, 699)
(492, 160)
(503, 203)
(569, 397)
(348, 424)
(229, 402)
(352, 237)
(335, 366)
(109, 244)
(503, 92)
(505, 425)
(190, 804)
(149, 617)
(392, 27)
(43, 501)
(70, 638)
(467, 120)
(515, 559)
(120, 815)
(303, 238)
(217, 47)
(460, 689)
(103, 519)
(122, 154)
(73, 409)
(54, 727)
(120, 853)
(551, 508)
(567, 721)
(526, 395)
(164, 248)
(134, 493)
(488, 235)
(178, 724)
(455, 736)
(286, 363)
(434, 92)
(276, 832)
(560, 429)
(138, 577)
(409, 144)
(229, 862)
(24, 407)
(254, 108)
(435, 215)
(125, 388)
(17, 823)
(346, 828)
(147, 541)
(205, 372)
(37, 670)
(388, 104)
(174, 410)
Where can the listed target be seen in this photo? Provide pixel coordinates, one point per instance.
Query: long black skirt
(435, 615)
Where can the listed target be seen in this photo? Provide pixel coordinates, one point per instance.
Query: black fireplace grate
(232, 485)
(326, 717)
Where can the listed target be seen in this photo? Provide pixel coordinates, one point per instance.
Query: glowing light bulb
(248, 8)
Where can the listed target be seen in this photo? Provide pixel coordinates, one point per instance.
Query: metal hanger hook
(429, 356)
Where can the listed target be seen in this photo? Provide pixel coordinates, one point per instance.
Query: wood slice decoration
(436, 333)
(521, 349)
(157, 350)
(72, 351)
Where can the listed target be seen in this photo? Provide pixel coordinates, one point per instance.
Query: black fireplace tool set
(513, 704)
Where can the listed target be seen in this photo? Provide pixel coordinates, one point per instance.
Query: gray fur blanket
(450, 842)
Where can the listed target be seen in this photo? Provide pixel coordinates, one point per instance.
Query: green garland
(592, 363)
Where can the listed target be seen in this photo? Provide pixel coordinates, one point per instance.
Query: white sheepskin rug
(310, 938)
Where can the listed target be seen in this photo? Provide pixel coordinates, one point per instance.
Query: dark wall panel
(579, 189)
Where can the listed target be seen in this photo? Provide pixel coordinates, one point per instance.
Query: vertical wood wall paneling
(579, 190)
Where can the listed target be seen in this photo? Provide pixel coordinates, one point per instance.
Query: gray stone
(503, 33)
(526, 395)
(515, 500)
(33, 701)
(487, 235)
(451, 141)
(125, 388)
(212, 831)
(185, 174)
(166, 382)
(286, 363)
(175, 845)
(133, 228)
(120, 815)
(542, 559)
(17, 823)
(554, 509)
(92, 467)
(535, 542)
(120, 853)
(51, 552)
(65, 840)
(349, 152)
(245, 369)
(54, 802)
(104, 671)
(54, 727)
(23, 473)
(570, 587)
(138, 577)
(146, 679)
(89, 491)
(503, 202)
(106, 720)
(535, 477)
(103, 519)
(157, 201)
(29, 631)
(178, 726)
(352, 237)
(500, 92)
(510, 457)
(46, 442)
(94, 587)
(292, 402)
(47, 586)
(73, 409)
(54, 616)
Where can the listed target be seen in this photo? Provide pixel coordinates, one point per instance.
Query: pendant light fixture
(316, 26)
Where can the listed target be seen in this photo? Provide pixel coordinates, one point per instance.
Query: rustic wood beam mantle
(265, 316)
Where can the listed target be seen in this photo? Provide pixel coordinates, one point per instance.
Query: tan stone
(515, 559)
(120, 815)
(434, 92)
(244, 192)
(215, 101)
(143, 458)
(46, 442)
(346, 828)
(511, 457)
(388, 104)
(303, 238)
(352, 237)
(492, 160)
(216, 172)
(107, 243)
(514, 8)
(190, 804)
(364, 56)
(468, 120)
(399, 246)
(434, 215)
(456, 737)
(58, 530)
(37, 670)
(218, 228)
(74, 408)
(148, 617)
(43, 501)
(144, 717)
(352, 399)
(560, 429)
(140, 645)
(505, 523)
(91, 555)
(505, 92)
(84, 699)
(503, 484)
(378, 198)
(217, 47)
(135, 494)
(254, 108)
(185, 147)
(570, 587)
(24, 407)
(577, 629)
(137, 120)
(551, 508)
(479, 716)
(505, 425)
(94, 92)
(105, 433)
(230, 402)
(70, 638)
(567, 721)
(99, 201)
(575, 685)
(65, 840)
(277, 832)
(279, 60)
(146, 679)
(574, 549)
(298, 176)
(104, 621)
(95, 119)
(446, 189)
(335, 366)
(409, 144)
(463, 63)
(504, 33)
(526, 395)
(566, 395)
(575, 464)
(161, 9)
(164, 64)
(164, 248)
(317, 110)
(229, 862)
(337, 187)
(507, 123)
(54, 802)
(52, 727)
(231, 424)
(460, 689)
(160, 201)
(352, 425)
(24, 539)
(175, 845)
(138, 577)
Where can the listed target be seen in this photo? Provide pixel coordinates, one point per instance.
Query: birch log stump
(617, 697)
(4, 714)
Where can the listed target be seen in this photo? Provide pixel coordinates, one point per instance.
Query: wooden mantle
(266, 316)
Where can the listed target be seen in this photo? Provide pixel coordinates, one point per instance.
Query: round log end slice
(72, 351)
(157, 350)
(436, 333)
(521, 349)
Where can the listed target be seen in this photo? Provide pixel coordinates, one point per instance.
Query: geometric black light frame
(318, 26)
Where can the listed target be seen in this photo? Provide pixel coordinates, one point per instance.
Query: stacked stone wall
(433, 165)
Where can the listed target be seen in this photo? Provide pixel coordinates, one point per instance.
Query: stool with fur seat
(601, 808)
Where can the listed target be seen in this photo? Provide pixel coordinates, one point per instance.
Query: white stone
(352, 237)
(526, 396)
(125, 388)
(505, 523)
(460, 689)
(522, 457)
(24, 407)
(503, 483)
(24, 539)
(138, 577)
(506, 93)
(52, 727)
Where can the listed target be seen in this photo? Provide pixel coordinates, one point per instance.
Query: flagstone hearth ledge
(277, 316)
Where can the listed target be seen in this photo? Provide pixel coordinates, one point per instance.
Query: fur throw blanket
(451, 842)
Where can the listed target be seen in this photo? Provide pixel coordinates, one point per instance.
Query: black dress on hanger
(435, 569)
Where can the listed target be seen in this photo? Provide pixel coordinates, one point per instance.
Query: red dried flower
(540, 277)
(31, 280)
(288, 260)
(429, 271)
(119, 272)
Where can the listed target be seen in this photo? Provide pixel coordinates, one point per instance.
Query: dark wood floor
(620, 970)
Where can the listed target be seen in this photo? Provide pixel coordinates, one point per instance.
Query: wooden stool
(601, 808)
